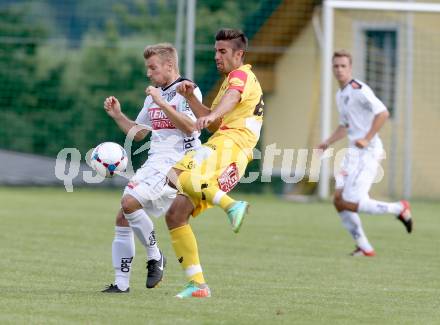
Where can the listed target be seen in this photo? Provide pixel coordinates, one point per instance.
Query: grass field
(289, 264)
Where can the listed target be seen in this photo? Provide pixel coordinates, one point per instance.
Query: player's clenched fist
(154, 93)
(112, 106)
(186, 88)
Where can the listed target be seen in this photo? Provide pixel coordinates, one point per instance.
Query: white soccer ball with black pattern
(108, 158)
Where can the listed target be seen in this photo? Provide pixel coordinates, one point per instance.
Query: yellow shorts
(219, 162)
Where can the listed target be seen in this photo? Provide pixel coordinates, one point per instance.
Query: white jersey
(168, 144)
(358, 105)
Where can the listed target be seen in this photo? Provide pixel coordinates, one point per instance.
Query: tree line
(52, 92)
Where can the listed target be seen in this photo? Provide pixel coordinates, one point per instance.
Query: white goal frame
(329, 6)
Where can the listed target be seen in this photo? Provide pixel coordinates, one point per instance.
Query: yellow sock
(185, 246)
(217, 197)
(225, 201)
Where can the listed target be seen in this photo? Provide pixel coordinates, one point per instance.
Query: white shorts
(357, 174)
(149, 186)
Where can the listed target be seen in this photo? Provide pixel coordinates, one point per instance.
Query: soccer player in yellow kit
(205, 176)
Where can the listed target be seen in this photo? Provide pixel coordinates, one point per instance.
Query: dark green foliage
(52, 92)
(18, 96)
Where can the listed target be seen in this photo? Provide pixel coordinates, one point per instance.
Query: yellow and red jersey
(243, 123)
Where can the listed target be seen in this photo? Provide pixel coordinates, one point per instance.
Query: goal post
(405, 81)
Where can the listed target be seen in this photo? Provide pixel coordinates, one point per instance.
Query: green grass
(288, 264)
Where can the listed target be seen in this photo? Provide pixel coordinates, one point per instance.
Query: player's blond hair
(343, 54)
(165, 51)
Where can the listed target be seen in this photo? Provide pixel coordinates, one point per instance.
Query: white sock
(352, 223)
(143, 227)
(122, 256)
(371, 206)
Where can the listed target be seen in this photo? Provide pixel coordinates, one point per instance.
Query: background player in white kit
(172, 124)
(362, 115)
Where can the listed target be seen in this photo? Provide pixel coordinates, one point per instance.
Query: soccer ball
(108, 158)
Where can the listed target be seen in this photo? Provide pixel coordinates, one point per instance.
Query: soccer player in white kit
(361, 116)
(172, 124)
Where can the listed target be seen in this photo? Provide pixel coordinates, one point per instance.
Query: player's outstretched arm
(227, 103)
(113, 109)
(186, 89)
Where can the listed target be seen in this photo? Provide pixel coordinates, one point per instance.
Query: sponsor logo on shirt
(159, 120)
(169, 95)
(190, 165)
(212, 146)
(187, 108)
(237, 80)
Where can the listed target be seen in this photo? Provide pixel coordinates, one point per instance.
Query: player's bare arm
(186, 89)
(227, 103)
(180, 120)
(378, 122)
(113, 109)
(338, 134)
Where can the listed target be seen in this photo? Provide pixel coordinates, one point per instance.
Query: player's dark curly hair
(238, 38)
